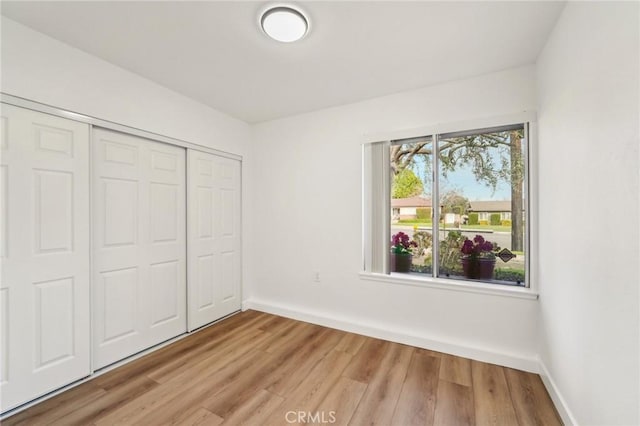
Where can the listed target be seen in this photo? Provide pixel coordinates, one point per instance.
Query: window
(449, 206)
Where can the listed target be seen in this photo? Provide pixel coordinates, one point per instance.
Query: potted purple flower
(478, 258)
(401, 253)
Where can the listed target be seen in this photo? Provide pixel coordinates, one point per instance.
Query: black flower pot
(478, 269)
(401, 262)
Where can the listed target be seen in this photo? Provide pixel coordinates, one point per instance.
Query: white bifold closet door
(214, 267)
(44, 244)
(139, 244)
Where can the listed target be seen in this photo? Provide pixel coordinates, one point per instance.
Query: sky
(463, 181)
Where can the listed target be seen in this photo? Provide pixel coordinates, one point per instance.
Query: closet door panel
(44, 288)
(139, 244)
(167, 242)
(214, 237)
(117, 237)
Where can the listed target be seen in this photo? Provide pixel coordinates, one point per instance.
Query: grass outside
(495, 228)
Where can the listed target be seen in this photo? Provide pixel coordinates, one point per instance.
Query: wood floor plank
(365, 365)
(58, 406)
(200, 391)
(454, 405)
(187, 388)
(160, 358)
(379, 400)
(197, 417)
(351, 343)
(304, 360)
(279, 370)
(491, 398)
(255, 410)
(531, 402)
(239, 339)
(455, 369)
(313, 388)
(293, 334)
(275, 324)
(417, 402)
(429, 352)
(117, 397)
(254, 367)
(342, 400)
(233, 394)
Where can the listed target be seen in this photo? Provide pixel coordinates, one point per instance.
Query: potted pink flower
(401, 252)
(478, 258)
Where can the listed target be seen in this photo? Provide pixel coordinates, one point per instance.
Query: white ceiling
(215, 53)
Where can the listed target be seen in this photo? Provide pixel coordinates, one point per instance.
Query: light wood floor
(254, 368)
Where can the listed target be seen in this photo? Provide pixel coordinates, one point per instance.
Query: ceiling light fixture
(284, 23)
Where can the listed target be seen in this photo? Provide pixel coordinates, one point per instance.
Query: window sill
(452, 285)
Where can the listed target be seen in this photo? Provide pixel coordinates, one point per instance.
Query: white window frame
(530, 194)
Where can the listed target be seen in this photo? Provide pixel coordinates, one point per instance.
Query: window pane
(481, 181)
(411, 206)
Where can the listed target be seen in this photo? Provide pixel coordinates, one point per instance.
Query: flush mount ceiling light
(284, 23)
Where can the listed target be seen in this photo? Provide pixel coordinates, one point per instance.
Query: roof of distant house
(490, 206)
(411, 202)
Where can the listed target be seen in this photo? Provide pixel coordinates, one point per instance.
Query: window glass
(481, 181)
(476, 208)
(411, 206)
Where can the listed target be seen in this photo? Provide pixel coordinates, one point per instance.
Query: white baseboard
(347, 324)
(556, 396)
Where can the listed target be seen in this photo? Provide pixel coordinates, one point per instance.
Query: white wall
(309, 191)
(588, 95)
(42, 69)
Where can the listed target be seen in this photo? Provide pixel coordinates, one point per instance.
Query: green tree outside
(406, 184)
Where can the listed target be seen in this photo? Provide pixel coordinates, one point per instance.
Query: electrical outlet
(316, 277)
